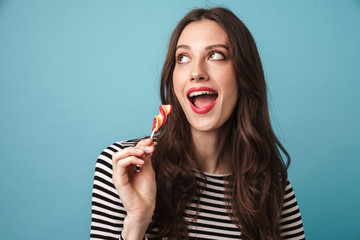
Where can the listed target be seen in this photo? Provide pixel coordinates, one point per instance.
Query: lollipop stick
(164, 112)
(152, 134)
(138, 167)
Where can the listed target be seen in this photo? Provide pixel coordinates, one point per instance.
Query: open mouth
(202, 98)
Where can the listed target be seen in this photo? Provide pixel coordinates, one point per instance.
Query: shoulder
(118, 146)
(104, 160)
(108, 212)
(289, 195)
(291, 225)
(103, 169)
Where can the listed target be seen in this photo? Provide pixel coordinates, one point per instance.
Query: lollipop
(159, 122)
(160, 119)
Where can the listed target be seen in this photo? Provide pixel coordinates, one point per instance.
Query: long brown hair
(259, 173)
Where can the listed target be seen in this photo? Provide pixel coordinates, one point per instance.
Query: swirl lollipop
(160, 119)
(159, 122)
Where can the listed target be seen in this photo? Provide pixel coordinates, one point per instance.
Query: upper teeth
(198, 93)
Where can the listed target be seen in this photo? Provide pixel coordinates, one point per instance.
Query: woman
(216, 171)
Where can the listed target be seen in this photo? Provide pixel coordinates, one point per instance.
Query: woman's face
(204, 78)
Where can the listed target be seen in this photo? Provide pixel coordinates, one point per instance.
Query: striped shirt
(212, 220)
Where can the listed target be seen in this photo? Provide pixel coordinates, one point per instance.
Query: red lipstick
(205, 109)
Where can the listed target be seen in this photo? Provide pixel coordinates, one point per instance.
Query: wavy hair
(258, 170)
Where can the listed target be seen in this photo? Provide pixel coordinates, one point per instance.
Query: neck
(206, 150)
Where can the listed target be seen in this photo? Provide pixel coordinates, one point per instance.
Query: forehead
(203, 32)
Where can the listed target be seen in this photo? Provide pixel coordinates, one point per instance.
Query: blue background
(78, 75)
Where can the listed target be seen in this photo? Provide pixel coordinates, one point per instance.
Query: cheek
(229, 81)
(178, 83)
(231, 85)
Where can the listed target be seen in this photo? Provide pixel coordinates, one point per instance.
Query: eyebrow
(207, 48)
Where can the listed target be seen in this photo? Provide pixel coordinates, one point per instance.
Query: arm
(108, 211)
(291, 226)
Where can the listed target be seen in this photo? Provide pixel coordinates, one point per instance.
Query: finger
(147, 145)
(147, 157)
(145, 142)
(127, 152)
(149, 149)
(121, 171)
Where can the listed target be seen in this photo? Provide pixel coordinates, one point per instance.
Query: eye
(216, 56)
(183, 59)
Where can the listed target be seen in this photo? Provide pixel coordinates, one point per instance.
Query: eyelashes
(181, 58)
(217, 56)
(214, 55)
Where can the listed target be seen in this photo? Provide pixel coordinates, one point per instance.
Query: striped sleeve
(291, 226)
(108, 213)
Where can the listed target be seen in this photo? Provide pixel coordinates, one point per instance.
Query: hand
(137, 190)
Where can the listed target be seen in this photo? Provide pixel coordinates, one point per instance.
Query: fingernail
(138, 150)
(149, 148)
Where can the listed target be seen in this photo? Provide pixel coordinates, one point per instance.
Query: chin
(203, 126)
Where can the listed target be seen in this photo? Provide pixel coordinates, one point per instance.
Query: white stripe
(198, 235)
(106, 195)
(292, 232)
(111, 213)
(104, 177)
(209, 215)
(106, 159)
(107, 187)
(108, 204)
(103, 234)
(112, 228)
(294, 208)
(290, 225)
(290, 217)
(101, 217)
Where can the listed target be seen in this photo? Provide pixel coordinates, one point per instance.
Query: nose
(198, 72)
